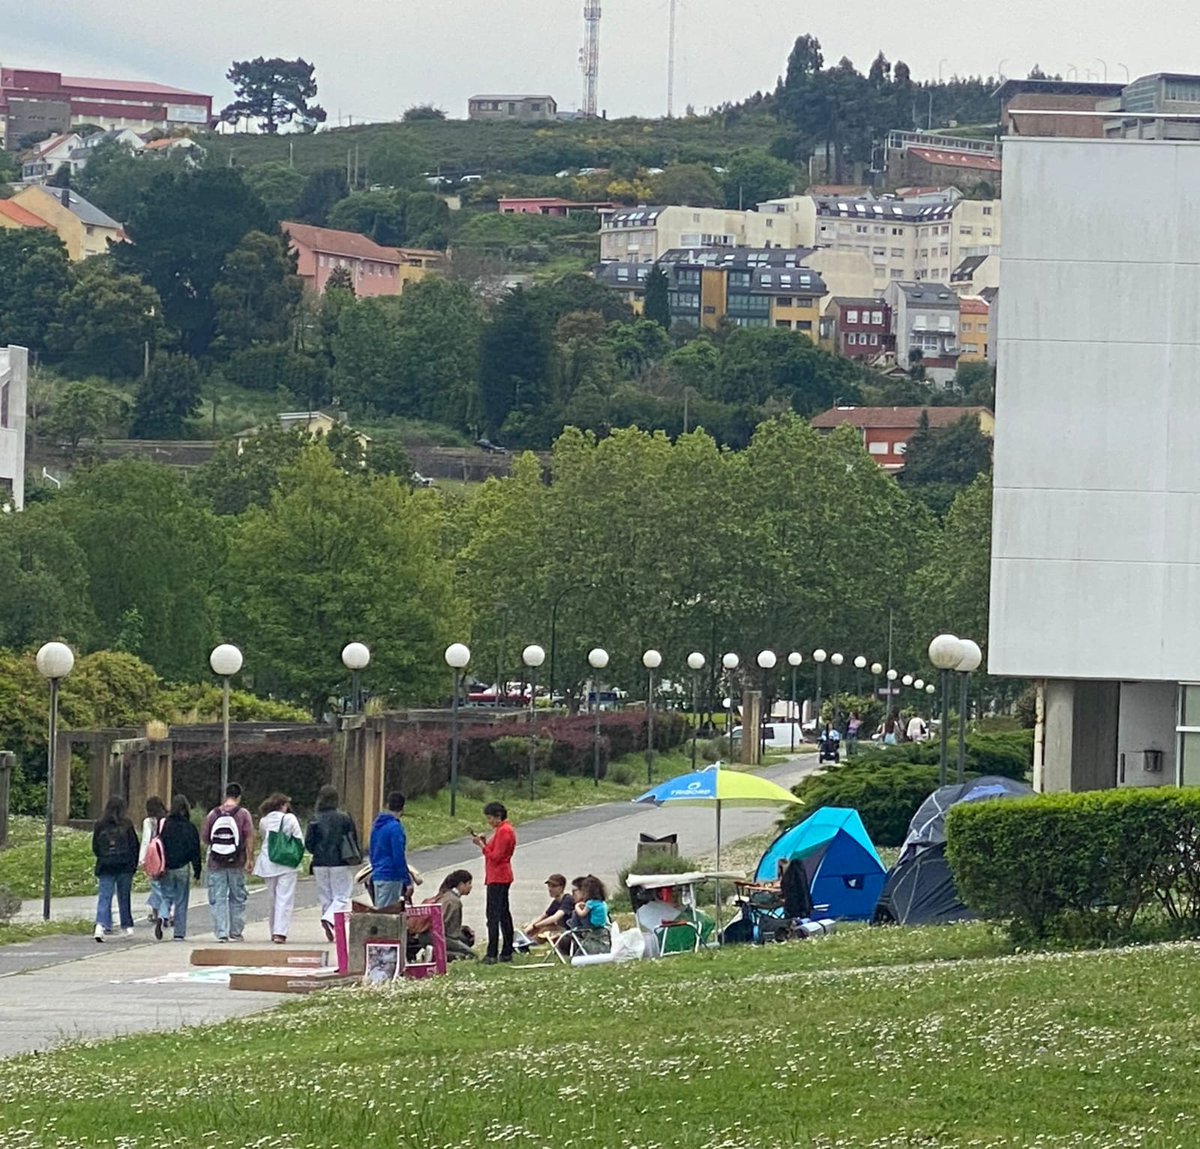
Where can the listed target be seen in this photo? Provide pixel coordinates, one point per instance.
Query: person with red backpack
(115, 846)
(156, 812)
(229, 835)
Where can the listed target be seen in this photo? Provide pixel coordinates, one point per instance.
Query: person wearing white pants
(332, 840)
(282, 841)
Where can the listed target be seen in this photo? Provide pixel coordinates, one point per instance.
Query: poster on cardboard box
(383, 963)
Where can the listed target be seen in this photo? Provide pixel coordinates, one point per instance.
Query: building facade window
(1188, 735)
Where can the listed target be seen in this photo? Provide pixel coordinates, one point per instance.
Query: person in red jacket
(497, 876)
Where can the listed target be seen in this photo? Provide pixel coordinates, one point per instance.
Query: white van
(778, 735)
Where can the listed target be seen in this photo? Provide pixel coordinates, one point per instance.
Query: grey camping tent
(919, 889)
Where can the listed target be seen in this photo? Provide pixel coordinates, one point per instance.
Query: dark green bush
(886, 793)
(296, 768)
(1081, 868)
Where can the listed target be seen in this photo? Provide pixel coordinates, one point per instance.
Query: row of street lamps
(947, 653)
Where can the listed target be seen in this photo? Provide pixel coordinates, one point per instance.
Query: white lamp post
(695, 662)
(533, 656)
(597, 660)
(892, 675)
(837, 660)
(919, 684)
(226, 661)
(730, 663)
(457, 656)
(970, 658)
(54, 663)
(766, 663)
(356, 658)
(945, 652)
(819, 657)
(860, 664)
(651, 660)
(795, 658)
(930, 688)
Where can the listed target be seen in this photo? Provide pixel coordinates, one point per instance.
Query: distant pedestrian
(916, 731)
(332, 840)
(228, 834)
(181, 848)
(853, 729)
(497, 853)
(156, 811)
(893, 729)
(115, 846)
(282, 840)
(389, 862)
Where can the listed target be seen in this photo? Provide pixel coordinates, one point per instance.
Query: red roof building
(886, 430)
(374, 270)
(13, 215)
(33, 102)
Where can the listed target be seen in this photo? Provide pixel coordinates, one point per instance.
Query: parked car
(778, 735)
(490, 447)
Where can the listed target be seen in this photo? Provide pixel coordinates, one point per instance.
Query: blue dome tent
(843, 867)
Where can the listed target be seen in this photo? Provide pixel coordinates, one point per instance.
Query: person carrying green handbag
(279, 861)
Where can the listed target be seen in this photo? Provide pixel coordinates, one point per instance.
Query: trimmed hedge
(885, 793)
(261, 768)
(1102, 866)
(1009, 754)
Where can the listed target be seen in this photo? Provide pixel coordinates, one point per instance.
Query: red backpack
(154, 864)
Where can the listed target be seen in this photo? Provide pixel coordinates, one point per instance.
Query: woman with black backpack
(332, 839)
(115, 845)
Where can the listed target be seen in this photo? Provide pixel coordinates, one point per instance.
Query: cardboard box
(273, 957)
(279, 981)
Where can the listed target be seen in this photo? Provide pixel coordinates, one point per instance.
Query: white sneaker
(129, 931)
(98, 934)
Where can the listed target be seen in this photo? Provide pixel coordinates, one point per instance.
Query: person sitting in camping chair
(588, 929)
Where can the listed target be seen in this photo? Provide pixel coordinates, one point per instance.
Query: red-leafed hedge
(261, 768)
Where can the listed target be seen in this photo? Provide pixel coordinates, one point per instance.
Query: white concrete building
(14, 365)
(1096, 515)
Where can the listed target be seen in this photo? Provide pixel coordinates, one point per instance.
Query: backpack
(112, 846)
(154, 864)
(225, 838)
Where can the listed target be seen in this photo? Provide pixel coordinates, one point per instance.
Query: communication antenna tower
(671, 60)
(589, 58)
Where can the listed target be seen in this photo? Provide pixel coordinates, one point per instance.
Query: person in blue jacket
(389, 866)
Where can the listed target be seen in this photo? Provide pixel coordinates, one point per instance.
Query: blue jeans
(157, 902)
(175, 889)
(388, 894)
(122, 886)
(227, 900)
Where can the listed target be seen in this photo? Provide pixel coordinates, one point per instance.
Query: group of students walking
(171, 851)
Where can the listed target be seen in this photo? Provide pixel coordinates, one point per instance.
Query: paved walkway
(56, 989)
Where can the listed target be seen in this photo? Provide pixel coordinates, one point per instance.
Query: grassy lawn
(868, 1038)
(24, 933)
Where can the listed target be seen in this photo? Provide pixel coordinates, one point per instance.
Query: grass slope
(856, 1040)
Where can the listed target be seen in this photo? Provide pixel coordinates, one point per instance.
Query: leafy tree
(167, 397)
(181, 234)
(657, 306)
(148, 545)
(34, 274)
(105, 322)
(275, 92)
(515, 354)
(45, 580)
(976, 383)
(951, 587)
(427, 220)
(692, 184)
(955, 454)
(255, 294)
(340, 279)
(377, 214)
(321, 191)
(753, 176)
(81, 410)
(397, 160)
(278, 185)
(575, 292)
(762, 363)
(350, 555)
(419, 112)
(275, 368)
(243, 474)
(117, 180)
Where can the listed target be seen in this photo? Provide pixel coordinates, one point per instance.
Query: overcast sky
(374, 58)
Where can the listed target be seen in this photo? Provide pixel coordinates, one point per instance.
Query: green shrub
(299, 769)
(621, 773)
(618, 897)
(543, 781)
(1071, 868)
(885, 792)
(10, 904)
(472, 789)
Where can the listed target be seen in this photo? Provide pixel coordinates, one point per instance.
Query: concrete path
(58, 989)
